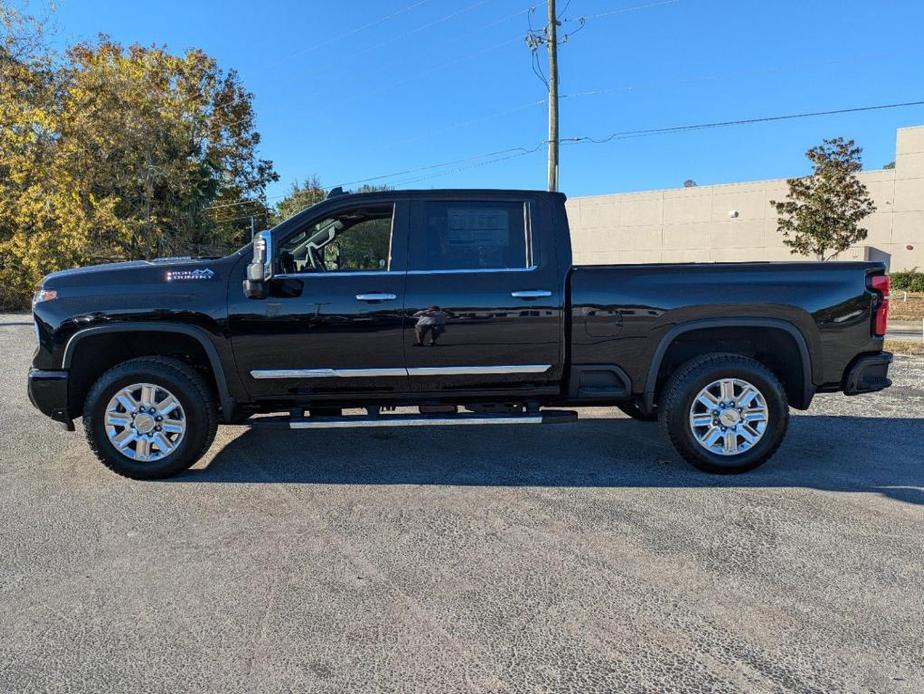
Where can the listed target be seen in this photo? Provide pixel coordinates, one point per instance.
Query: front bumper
(868, 373)
(48, 393)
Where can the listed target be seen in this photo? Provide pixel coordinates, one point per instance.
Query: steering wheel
(316, 261)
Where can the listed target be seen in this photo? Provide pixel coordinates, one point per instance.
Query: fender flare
(651, 380)
(198, 334)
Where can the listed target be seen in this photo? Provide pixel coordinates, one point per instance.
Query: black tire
(633, 410)
(684, 386)
(186, 385)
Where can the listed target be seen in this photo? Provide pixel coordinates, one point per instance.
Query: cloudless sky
(357, 89)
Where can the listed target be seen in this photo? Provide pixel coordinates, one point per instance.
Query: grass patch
(912, 309)
(904, 347)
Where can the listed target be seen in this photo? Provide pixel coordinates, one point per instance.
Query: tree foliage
(309, 192)
(822, 212)
(119, 152)
(300, 195)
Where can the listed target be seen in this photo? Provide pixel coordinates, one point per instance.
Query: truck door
(484, 297)
(333, 322)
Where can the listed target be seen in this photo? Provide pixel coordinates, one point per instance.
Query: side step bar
(418, 420)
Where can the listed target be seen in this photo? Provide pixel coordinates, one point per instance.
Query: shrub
(912, 281)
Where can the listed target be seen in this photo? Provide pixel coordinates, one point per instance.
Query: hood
(166, 269)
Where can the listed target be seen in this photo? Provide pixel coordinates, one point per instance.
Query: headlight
(42, 294)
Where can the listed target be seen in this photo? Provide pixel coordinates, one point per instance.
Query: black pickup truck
(461, 306)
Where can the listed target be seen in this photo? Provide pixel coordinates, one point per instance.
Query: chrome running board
(419, 420)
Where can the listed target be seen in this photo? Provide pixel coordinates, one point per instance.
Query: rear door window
(471, 236)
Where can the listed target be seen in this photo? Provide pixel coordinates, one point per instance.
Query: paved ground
(906, 330)
(572, 558)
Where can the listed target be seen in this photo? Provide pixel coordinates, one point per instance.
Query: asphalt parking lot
(581, 557)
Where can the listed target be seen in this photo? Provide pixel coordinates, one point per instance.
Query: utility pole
(552, 45)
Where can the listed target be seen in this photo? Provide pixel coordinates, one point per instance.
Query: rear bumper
(868, 373)
(48, 393)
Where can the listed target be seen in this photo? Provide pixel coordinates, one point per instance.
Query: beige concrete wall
(697, 224)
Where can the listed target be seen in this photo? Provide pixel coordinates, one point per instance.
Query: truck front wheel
(150, 417)
(724, 413)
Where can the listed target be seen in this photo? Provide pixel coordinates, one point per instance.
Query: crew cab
(446, 307)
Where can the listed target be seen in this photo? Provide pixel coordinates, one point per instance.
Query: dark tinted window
(470, 236)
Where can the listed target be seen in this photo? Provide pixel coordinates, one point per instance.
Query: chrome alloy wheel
(145, 422)
(729, 416)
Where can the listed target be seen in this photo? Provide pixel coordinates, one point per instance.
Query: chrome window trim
(399, 273)
(358, 273)
(477, 270)
(528, 231)
(264, 374)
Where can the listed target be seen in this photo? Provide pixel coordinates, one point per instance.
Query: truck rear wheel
(150, 417)
(724, 413)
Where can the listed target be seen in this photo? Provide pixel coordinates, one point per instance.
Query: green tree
(822, 212)
(170, 142)
(300, 196)
(309, 192)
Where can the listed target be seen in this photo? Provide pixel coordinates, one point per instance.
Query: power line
(515, 152)
(472, 121)
(429, 71)
(497, 156)
(427, 25)
(724, 124)
(258, 201)
(632, 88)
(524, 150)
(459, 169)
(351, 32)
(634, 8)
(786, 67)
(390, 67)
(241, 218)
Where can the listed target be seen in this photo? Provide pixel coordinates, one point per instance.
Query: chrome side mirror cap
(260, 269)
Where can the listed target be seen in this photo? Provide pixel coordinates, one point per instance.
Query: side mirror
(260, 269)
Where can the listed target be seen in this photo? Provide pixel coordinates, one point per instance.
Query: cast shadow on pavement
(834, 453)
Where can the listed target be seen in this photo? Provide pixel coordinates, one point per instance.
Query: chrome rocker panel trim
(263, 374)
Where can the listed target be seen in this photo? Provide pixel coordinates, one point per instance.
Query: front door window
(355, 240)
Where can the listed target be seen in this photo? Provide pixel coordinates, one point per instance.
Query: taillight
(882, 285)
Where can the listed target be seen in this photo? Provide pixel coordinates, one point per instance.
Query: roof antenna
(334, 192)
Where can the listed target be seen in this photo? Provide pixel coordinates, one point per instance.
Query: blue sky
(361, 89)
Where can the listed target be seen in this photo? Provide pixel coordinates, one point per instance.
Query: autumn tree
(119, 152)
(822, 213)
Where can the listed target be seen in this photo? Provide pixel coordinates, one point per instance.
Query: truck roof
(462, 193)
(448, 192)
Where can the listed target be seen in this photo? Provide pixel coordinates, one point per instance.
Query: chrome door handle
(377, 296)
(531, 294)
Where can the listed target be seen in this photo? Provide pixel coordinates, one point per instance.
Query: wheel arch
(800, 387)
(182, 336)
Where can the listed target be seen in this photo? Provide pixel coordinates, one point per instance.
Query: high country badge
(198, 274)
